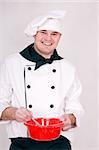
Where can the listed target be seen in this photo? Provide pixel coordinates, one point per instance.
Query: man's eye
(54, 33)
(43, 32)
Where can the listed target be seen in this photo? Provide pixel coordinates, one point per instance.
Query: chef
(37, 82)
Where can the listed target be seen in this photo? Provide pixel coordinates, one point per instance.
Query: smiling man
(37, 82)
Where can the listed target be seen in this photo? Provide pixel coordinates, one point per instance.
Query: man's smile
(46, 43)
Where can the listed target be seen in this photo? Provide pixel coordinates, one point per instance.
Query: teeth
(47, 44)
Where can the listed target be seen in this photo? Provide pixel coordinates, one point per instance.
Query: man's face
(46, 41)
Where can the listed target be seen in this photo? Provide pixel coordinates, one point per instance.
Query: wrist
(73, 120)
(9, 113)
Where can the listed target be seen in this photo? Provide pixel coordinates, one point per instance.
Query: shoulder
(11, 60)
(12, 57)
(67, 65)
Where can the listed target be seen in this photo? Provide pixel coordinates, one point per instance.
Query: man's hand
(19, 114)
(69, 121)
(22, 115)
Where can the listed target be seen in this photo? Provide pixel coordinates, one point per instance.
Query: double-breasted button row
(28, 86)
(51, 106)
(54, 70)
(52, 87)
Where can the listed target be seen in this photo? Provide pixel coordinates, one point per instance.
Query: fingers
(23, 115)
(67, 122)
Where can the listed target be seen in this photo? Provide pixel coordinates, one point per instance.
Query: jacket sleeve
(72, 102)
(5, 88)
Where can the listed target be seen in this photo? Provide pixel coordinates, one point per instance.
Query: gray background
(79, 44)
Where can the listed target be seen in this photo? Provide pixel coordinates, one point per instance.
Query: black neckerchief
(30, 54)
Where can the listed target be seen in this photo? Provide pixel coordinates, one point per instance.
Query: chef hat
(50, 21)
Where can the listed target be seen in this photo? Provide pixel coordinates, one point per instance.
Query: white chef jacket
(53, 84)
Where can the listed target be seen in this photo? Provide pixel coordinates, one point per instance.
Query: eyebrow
(43, 30)
(47, 30)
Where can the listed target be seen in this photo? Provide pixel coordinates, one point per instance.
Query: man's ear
(34, 36)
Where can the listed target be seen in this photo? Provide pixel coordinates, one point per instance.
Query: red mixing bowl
(48, 130)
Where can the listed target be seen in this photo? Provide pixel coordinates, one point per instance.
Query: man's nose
(48, 37)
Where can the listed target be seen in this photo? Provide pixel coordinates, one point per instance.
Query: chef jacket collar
(30, 54)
